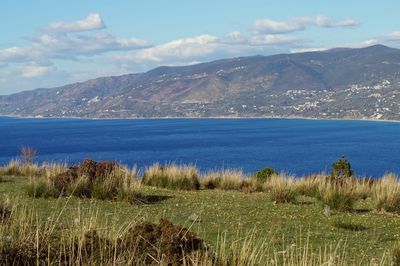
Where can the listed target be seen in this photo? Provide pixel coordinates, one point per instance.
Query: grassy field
(362, 236)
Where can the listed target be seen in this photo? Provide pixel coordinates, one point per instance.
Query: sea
(295, 146)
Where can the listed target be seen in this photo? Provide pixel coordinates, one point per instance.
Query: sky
(47, 43)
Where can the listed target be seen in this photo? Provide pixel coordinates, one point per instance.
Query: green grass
(232, 213)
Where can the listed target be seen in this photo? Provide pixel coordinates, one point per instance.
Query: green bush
(341, 170)
(264, 174)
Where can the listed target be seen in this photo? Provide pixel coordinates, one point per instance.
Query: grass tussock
(337, 197)
(230, 179)
(103, 180)
(387, 194)
(308, 185)
(282, 188)
(18, 168)
(180, 177)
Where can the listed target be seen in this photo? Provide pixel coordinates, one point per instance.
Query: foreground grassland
(231, 218)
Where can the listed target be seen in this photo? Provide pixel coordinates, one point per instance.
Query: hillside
(339, 83)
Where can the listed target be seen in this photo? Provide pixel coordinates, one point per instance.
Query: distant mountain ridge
(361, 83)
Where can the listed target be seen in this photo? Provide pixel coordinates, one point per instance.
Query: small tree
(28, 154)
(341, 170)
(264, 174)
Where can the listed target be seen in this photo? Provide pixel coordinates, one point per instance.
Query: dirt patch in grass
(163, 241)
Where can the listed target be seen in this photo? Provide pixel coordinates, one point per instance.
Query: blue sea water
(295, 146)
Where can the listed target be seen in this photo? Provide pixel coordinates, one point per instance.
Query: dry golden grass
(337, 196)
(226, 179)
(282, 188)
(183, 177)
(386, 192)
(18, 168)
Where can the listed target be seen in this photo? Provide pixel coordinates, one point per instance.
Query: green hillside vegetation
(102, 213)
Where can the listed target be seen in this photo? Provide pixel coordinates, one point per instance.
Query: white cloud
(181, 48)
(307, 49)
(48, 46)
(393, 36)
(269, 26)
(370, 42)
(35, 71)
(273, 39)
(91, 22)
(272, 26)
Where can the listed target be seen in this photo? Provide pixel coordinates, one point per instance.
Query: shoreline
(209, 117)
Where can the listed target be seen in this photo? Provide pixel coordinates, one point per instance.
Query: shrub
(103, 180)
(337, 197)
(341, 170)
(264, 174)
(387, 194)
(172, 177)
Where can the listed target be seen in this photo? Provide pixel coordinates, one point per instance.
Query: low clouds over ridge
(87, 42)
(269, 26)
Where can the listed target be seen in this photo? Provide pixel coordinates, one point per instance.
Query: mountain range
(340, 83)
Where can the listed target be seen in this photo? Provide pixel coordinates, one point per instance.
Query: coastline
(202, 117)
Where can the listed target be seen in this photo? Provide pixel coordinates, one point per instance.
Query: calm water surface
(292, 145)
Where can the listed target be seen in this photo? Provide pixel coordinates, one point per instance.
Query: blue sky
(46, 43)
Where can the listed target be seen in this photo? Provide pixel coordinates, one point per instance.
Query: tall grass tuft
(387, 194)
(180, 177)
(339, 197)
(308, 185)
(230, 179)
(282, 188)
(17, 168)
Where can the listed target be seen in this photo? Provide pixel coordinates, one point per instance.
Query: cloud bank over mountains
(67, 51)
